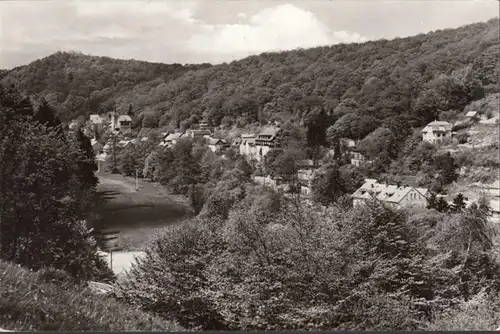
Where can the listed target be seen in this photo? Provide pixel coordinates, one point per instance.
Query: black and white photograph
(249, 165)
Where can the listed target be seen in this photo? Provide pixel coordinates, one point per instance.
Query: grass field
(138, 215)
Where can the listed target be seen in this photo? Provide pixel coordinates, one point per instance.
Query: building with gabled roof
(216, 144)
(437, 131)
(472, 115)
(266, 140)
(171, 139)
(247, 145)
(393, 195)
(194, 134)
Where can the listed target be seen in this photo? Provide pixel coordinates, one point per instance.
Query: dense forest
(415, 76)
(78, 84)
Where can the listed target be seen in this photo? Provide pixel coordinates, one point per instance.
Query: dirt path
(138, 215)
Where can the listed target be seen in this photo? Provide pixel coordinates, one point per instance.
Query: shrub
(462, 137)
(28, 302)
(481, 313)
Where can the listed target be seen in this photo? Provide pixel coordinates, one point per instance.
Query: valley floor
(137, 215)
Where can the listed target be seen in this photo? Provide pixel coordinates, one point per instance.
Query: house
(122, 123)
(305, 177)
(275, 183)
(203, 125)
(171, 139)
(358, 159)
(266, 140)
(437, 131)
(348, 143)
(247, 145)
(95, 119)
(472, 116)
(489, 190)
(493, 189)
(216, 144)
(307, 164)
(494, 205)
(393, 195)
(195, 134)
(236, 142)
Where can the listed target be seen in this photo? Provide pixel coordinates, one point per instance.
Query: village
(255, 147)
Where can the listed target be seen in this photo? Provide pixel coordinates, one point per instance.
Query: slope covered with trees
(417, 76)
(78, 84)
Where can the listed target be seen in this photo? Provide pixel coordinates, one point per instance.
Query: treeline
(414, 77)
(78, 85)
(47, 189)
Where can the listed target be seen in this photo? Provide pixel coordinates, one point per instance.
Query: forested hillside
(383, 77)
(415, 76)
(78, 84)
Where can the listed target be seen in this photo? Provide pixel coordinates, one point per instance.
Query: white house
(265, 141)
(437, 131)
(358, 159)
(472, 116)
(305, 177)
(122, 123)
(394, 196)
(96, 119)
(171, 139)
(247, 145)
(195, 134)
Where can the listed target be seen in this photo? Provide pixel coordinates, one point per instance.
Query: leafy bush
(276, 264)
(480, 313)
(28, 302)
(462, 137)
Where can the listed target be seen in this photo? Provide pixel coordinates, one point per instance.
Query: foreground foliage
(29, 302)
(278, 265)
(47, 185)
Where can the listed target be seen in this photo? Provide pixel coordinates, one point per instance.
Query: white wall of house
(265, 181)
(414, 199)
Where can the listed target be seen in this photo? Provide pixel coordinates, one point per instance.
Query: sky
(215, 31)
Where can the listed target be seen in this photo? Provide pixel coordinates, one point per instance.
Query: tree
(328, 185)
(87, 164)
(44, 199)
(446, 167)
(442, 205)
(166, 169)
(186, 169)
(432, 201)
(150, 120)
(380, 145)
(197, 197)
(46, 115)
(151, 165)
(127, 163)
(458, 204)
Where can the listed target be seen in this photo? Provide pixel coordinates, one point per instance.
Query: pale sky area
(215, 31)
